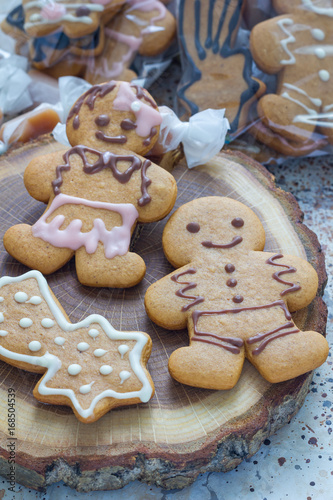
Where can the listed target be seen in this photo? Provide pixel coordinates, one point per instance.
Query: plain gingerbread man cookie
(88, 366)
(234, 298)
(97, 190)
(297, 47)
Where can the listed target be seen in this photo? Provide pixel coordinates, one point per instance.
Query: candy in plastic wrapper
(203, 136)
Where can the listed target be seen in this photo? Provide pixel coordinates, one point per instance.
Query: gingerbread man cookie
(75, 18)
(297, 47)
(218, 73)
(143, 27)
(97, 190)
(88, 366)
(235, 299)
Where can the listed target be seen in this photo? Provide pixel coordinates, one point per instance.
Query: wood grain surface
(182, 431)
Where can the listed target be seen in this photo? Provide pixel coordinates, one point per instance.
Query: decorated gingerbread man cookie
(218, 73)
(297, 47)
(89, 365)
(144, 27)
(76, 18)
(235, 299)
(97, 190)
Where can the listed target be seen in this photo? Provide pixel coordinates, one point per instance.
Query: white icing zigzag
(52, 361)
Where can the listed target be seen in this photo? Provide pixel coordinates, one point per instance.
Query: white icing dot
(318, 34)
(105, 370)
(35, 346)
(83, 346)
(123, 350)
(317, 102)
(124, 375)
(320, 53)
(25, 322)
(3, 333)
(59, 340)
(35, 300)
(136, 106)
(84, 389)
(324, 75)
(74, 369)
(21, 297)
(1, 299)
(99, 352)
(35, 18)
(93, 333)
(2, 319)
(47, 322)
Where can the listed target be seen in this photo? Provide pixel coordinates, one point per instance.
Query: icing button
(238, 299)
(318, 34)
(85, 389)
(105, 370)
(324, 75)
(83, 346)
(230, 268)
(99, 352)
(3, 333)
(122, 349)
(320, 53)
(59, 341)
(21, 297)
(2, 319)
(35, 300)
(25, 322)
(93, 333)
(124, 375)
(74, 369)
(47, 322)
(232, 282)
(136, 106)
(35, 346)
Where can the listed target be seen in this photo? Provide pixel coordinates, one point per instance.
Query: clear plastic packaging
(268, 63)
(96, 40)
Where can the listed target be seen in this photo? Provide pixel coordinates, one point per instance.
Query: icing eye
(102, 120)
(193, 227)
(237, 222)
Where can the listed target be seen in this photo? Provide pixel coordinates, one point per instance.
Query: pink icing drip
(53, 11)
(133, 44)
(146, 117)
(116, 241)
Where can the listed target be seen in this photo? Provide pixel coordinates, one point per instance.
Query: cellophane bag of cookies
(97, 40)
(267, 63)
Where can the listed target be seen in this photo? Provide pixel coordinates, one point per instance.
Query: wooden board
(182, 431)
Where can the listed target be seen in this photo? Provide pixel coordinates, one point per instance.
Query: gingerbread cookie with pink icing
(297, 47)
(75, 18)
(88, 366)
(144, 27)
(97, 190)
(235, 299)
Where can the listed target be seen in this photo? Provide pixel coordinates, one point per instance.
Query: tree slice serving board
(182, 431)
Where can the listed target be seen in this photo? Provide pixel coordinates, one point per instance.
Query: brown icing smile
(120, 139)
(235, 241)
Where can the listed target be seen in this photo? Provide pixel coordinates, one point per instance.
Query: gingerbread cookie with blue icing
(88, 366)
(235, 299)
(298, 117)
(97, 190)
(218, 72)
